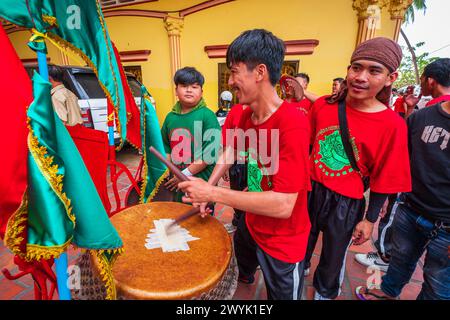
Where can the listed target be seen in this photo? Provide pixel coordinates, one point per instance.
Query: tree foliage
(406, 70)
(417, 5)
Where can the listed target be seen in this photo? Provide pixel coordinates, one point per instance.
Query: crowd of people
(306, 165)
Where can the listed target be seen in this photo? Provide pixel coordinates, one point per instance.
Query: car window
(90, 84)
(135, 86)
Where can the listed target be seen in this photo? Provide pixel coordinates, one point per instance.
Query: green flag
(62, 205)
(154, 170)
(73, 26)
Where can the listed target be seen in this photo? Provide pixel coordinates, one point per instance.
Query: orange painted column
(369, 18)
(174, 26)
(397, 9)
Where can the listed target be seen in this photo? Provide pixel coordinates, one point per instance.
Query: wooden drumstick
(173, 168)
(180, 175)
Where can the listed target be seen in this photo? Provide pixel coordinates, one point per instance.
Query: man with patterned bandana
(378, 139)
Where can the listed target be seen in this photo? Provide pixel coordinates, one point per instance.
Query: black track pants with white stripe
(284, 281)
(335, 216)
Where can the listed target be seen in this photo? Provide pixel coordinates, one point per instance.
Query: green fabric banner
(63, 204)
(154, 170)
(78, 26)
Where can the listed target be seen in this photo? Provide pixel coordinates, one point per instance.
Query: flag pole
(61, 262)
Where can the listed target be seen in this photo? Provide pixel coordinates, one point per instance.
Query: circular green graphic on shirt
(332, 151)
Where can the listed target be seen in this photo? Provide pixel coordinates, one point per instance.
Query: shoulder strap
(343, 128)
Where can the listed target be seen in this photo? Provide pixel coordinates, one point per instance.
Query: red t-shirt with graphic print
(380, 143)
(287, 172)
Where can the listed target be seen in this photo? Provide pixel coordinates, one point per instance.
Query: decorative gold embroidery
(106, 269)
(50, 171)
(37, 252)
(15, 226)
(50, 20)
(144, 180)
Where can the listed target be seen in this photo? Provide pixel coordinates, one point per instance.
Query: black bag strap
(343, 128)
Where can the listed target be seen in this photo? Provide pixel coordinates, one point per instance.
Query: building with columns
(157, 37)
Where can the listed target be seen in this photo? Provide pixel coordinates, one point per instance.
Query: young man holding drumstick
(273, 137)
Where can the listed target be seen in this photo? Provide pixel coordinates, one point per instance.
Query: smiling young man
(336, 86)
(275, 230)
(190, 114)
(378, 140)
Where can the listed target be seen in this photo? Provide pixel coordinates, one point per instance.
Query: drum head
(142, 273)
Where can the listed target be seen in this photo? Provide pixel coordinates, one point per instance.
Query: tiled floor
(355, 274)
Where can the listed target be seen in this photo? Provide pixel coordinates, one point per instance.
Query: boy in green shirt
(191, 133)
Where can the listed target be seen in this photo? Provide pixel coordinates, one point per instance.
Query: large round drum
(199, 269)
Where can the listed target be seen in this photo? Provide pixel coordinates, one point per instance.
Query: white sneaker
(317, 296)
(371, 259)
(306, 272)
(229, 227)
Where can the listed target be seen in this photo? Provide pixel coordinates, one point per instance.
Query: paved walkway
(355, 274)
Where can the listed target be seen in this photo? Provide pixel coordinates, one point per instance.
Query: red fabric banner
(133, 113)
(16, 94)
(93, 147)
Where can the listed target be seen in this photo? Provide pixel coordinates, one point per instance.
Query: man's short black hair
(439, 70)
(258, 46)
(303, 75)
(338, 79)
(55, 72)
(187, 76)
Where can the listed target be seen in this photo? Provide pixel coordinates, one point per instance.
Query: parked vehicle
(83, 82)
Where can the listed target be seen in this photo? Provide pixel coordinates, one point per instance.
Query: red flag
(16, 94)
(133, 114)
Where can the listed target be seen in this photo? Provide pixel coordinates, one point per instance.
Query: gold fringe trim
(157, 185)
(145, 172)
(106, 270)
(16, 226)
(49, 170)
(13, 240)
(50, 20)
(144, 151)
(110, 117)
(36, 252)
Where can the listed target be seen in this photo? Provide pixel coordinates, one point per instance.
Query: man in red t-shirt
(273, 137)
(378, 140)
(399, 105)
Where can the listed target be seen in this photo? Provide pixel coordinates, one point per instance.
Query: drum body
(207, 270)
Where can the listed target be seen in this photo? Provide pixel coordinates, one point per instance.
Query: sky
(433, 28)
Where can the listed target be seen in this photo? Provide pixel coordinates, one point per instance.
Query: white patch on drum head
(175, 240)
